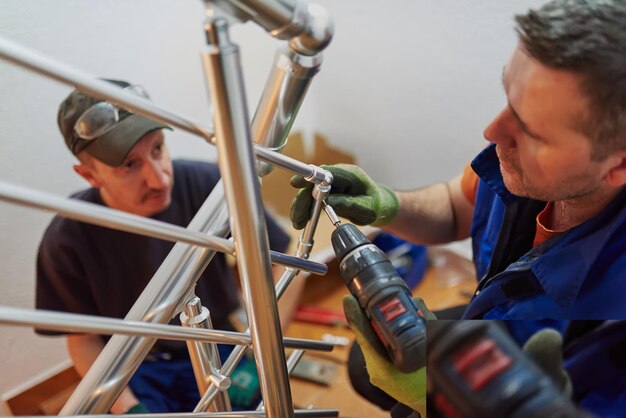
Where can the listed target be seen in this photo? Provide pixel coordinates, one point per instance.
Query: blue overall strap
(505, 287)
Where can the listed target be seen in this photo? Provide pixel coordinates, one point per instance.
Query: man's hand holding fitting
(354, 196)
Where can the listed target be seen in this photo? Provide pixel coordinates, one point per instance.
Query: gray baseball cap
(101, 129)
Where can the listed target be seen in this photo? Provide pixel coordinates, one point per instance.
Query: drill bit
(334, 219)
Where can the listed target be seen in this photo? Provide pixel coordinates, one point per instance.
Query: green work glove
(353, 196)
(138, 409)
(407, 388)
(545, 349)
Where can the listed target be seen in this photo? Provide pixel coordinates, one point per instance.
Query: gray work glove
(354, 196)
(545, 349)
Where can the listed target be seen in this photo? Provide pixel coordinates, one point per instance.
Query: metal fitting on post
(303, 249)
(307, 26)
(195, 315)
(221, 382)
(319, 176)
(320, 191)
(205, 357)
(305, 243)
(317, 29)
(216, 32)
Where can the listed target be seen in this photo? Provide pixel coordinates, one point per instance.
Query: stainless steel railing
(309, 30)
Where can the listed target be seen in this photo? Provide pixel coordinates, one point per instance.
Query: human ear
(88, 173)
(616, 176)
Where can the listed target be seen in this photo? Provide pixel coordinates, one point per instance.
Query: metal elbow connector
(317, 29)
(328, 178)
(320, 176)
(307, 26)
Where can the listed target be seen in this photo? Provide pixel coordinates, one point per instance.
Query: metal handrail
(67, 322)
(124, 221)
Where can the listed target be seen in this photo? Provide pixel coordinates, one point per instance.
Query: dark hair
(587, 37)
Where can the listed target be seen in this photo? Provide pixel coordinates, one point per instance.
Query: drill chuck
(384, 297)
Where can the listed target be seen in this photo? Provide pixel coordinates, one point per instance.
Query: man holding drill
(544, 202)
(548, 188)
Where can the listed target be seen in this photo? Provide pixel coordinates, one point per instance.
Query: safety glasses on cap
(102, 116)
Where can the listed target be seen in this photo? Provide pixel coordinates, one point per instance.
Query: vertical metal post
(227, 369)
(237, 165)
(292, 362)
(205, 357)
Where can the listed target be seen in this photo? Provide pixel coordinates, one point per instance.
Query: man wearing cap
(88, 269)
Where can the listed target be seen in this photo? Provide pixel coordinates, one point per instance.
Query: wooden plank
(47, 397)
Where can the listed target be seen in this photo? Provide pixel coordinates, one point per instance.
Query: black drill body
(384, 297)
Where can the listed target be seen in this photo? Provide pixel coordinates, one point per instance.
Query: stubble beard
(576, 189)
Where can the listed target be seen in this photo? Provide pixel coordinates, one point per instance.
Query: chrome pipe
(124, 221)
(288, 163)
(292, 362)
(282, 97)
(229, 365)
(67, 322)
(237, 165)
(318, 29)
(205, 357)
(238, 352)
(275, 16)
(90, 324)
(92, 86)
(308, 26)
(176, 276)
(284, 281)
(297, 263)
(109, 218)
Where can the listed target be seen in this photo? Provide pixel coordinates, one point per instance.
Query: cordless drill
(382, 294)
(475, 369)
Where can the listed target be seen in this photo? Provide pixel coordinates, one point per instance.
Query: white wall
(407, 86)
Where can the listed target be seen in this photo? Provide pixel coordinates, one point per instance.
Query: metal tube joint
(305, 242)
(216, 31)
(320, 191)
(197, 316)
(319, 176)
(317, 29)
(307, 26)
(194, 314)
